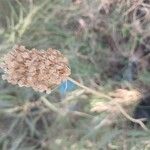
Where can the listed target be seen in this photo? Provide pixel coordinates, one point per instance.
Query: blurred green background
(101, 39)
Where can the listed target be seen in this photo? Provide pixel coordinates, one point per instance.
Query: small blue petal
(66, 86)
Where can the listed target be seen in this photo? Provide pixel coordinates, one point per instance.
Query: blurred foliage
(99, 38)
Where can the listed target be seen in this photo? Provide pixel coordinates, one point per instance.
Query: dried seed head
(41, 70)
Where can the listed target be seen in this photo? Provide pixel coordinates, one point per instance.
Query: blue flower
(66, 86)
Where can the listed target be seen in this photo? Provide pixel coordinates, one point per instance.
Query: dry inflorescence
(122, 97)
(41, 70)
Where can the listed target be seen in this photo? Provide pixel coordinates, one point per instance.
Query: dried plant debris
(123, 97)
(41, 70)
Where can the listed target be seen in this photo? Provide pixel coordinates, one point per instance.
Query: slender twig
(72, 95)
(55, 109)
(81, 114)
(49, 105)
(89, 89)
(130, 118)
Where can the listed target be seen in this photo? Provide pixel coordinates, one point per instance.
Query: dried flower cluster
(123, 97)
(41, 70)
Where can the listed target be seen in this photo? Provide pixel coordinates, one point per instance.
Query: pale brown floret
(41, 70)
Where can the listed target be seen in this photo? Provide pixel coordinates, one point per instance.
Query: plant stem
(89, 89)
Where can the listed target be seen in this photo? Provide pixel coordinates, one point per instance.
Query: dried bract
(41, 70)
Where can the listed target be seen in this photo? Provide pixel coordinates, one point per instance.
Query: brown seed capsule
(41, 70)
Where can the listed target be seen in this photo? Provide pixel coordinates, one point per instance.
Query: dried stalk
(121, 109)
